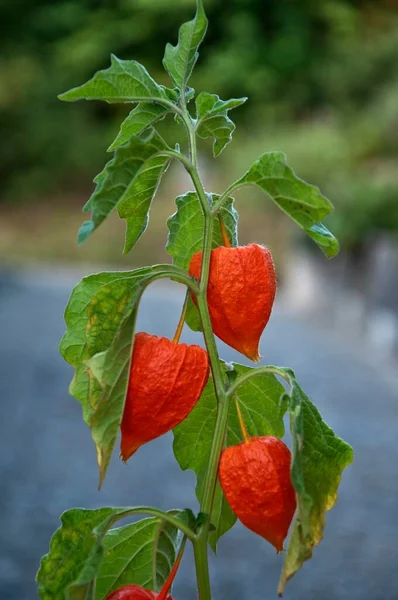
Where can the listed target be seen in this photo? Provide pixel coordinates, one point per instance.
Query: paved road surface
(47, 461)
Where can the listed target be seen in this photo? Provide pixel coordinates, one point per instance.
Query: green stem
(201, 542)
(192, 144)
(202, 569)
(285, 374)
(153, 512)
(190, 128)
(234, 186)
(177, 155)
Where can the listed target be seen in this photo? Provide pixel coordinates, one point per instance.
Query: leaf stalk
(201, 542)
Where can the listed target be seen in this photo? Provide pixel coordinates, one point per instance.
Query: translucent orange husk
(240, 294)
(255, 478)
(166, 380)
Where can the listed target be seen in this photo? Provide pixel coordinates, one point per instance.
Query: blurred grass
(47, 234)
(322, 81)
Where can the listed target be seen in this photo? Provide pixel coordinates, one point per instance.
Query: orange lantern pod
(134, 592)
(166, 380)
(240, 294)
(255, 478)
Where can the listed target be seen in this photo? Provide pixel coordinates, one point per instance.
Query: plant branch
(192, 139)
(173, 107)
(202, 569)
(224, 196)
(201, 542)
(177, 156)
(285, 374)
(175, 274)
(154, 512)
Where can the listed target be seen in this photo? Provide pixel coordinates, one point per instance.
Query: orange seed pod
(240, 294)
(166, 380)
(255, 478)
(134, 592)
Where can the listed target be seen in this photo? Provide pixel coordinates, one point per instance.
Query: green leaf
(324, 239)
(259, 402)
(118, 180)
(136, 201)
(213, 120)
(143, 116)
(123, 81)
(319, 458)
(114, 367)
(186, 228)
(87, 559)
(70, 546)
(128, 556)
(302, 202)
(180, 60)
(100, 319)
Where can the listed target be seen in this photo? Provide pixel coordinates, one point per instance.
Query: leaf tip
(85, 230)
(281, 586)
(127, 248)
(101, 478)
(64, 97)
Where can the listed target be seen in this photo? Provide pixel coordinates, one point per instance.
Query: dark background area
(322, 82)
(48, 463)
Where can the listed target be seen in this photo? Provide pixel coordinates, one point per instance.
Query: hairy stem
(201, 542)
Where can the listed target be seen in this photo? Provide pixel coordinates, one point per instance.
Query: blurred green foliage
(321, 76)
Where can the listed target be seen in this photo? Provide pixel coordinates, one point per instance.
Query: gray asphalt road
(47, 462)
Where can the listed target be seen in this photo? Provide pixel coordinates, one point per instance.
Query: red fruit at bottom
(255, 478)
(134, 592)
(166, 380)
(240, 294)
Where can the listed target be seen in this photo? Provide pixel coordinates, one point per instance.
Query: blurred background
(322, 82)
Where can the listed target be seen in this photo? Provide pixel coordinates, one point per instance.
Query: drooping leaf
(324, 239)
(143, 116)
(114, 182)
(180, 60)
(123, 81)
(213, 120)
(136, 201)
(302, 202)
(319, 458)
(87, 559)
(186, 229)
(111, 370)
(259, 402)
(100, 319)
(85, 337)
(70, 547)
